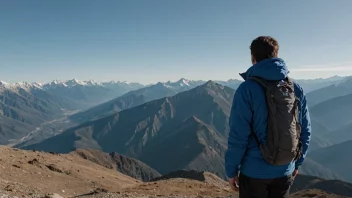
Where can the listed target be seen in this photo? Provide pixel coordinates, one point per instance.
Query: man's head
(264, 47)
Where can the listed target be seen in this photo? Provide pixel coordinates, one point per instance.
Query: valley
(45, 130)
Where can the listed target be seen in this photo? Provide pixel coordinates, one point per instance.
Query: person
(247, 170)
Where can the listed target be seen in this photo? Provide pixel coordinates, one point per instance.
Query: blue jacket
(249, 104)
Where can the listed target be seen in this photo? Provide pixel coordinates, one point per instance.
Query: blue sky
(157, 40)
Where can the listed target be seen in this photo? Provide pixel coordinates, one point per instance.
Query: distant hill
(232, 83)
(312, 168)
(310, 85)
(336, 158)
(334, 113)
(141, 96)
(319, 131)
(85, 94)
(128, 166)
(130, 99)
(340, 135)
(198, 118)
(340, 88)
(318, 142)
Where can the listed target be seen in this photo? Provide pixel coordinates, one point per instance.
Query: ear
(253, 60)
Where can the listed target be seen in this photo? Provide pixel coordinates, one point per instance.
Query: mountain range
(336, 89)
(192, 124)
(25, 107)
(335, 113)
(310, 85)
(156, 124)
(141, 96)
(335, 157)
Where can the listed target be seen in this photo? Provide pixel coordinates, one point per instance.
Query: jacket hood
(269, 69)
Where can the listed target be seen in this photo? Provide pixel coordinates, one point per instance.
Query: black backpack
(283, 143)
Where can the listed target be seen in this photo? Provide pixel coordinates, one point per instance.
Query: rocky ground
(33, 172)
(39, 174)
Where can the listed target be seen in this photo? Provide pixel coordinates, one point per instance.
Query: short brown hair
(264, 47)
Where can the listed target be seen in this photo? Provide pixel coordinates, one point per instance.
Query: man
(248, 171)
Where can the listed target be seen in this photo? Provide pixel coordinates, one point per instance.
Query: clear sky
(159, 40)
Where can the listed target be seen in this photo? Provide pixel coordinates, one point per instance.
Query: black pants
(264, 188)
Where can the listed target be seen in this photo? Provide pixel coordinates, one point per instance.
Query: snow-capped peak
(127, 82)
(74, 82)
(3, 83)
(55, 83)
(38, 85)
(20, 85)
(183, 82)
(94, 83)
(180, 83)
(91, 83)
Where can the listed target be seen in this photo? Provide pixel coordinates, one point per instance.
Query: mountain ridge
(197, 118)
(205, 109)
(335, 112)
(340, 163)
(128, 166)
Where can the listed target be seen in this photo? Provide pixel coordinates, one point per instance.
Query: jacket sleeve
(305, 130)
(240, 119)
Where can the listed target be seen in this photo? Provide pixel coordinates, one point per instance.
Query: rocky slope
(128, 166)
(38, 173)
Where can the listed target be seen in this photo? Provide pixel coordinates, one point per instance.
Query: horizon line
(145, 84)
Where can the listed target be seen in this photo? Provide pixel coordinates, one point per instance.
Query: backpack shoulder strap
(261, 81)
(265, 85)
